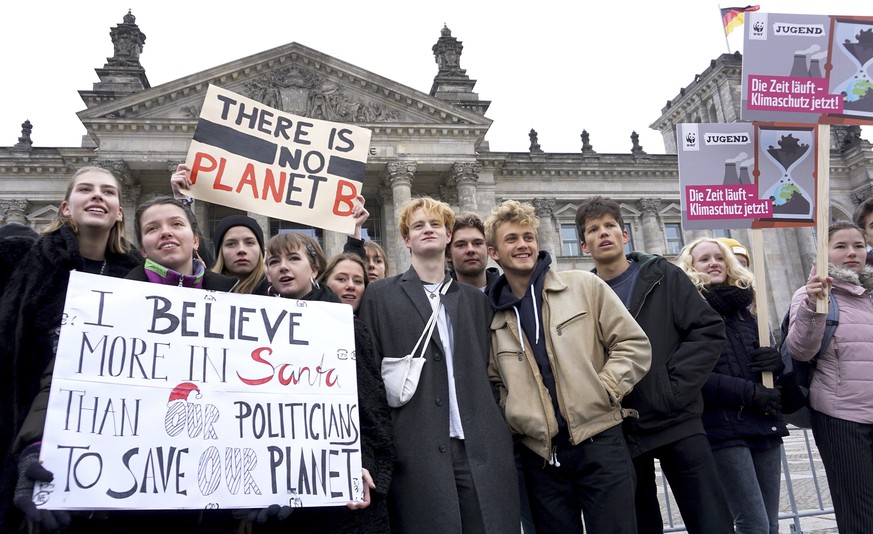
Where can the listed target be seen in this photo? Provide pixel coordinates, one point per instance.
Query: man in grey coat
(454, 471)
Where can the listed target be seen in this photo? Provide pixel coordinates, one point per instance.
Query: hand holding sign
(180, 181)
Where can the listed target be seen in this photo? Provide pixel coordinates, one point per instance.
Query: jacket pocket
(522, 407)
(573, 322)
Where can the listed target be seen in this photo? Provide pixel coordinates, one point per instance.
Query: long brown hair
(117, 243)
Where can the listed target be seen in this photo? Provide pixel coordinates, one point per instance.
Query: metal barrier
(807, 502)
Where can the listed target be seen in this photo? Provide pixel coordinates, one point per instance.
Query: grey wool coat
(423, 497)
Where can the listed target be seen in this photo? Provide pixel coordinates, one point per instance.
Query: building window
(569, 240)
(675, 242)
(629, 246)
(720, 232)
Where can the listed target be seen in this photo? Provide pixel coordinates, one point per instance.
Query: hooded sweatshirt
(529, 313)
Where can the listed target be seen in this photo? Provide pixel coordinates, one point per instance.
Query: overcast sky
(608, 67)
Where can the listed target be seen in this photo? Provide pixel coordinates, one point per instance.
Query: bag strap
(431, 323)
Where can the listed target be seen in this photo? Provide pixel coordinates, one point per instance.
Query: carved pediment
(294, 79)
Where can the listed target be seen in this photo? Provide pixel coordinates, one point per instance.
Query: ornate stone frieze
(303, 92)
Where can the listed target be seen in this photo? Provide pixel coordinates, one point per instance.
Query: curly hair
(509, 211)
(735, 273)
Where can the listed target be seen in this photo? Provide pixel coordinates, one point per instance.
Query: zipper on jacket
(550, 351)
(561, 326)
(646, 295)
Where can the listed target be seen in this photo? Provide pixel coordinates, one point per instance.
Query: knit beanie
(737, 248)
(236, 220)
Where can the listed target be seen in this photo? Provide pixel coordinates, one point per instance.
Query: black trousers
(594, 479)
(846, 450)
(690, 469)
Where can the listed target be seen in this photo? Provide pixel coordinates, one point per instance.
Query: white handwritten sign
(166, 397)
(256, 158)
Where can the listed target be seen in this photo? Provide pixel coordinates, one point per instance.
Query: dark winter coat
(12, 249)
(423, 496)
(30, 315)
(687, 337)
(728, 421)
(377, 449)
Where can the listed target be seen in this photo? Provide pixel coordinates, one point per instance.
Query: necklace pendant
(432, 296)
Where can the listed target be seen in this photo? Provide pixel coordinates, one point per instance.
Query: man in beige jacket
(564, 352)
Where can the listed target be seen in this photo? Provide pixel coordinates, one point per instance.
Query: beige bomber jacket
(597, 350)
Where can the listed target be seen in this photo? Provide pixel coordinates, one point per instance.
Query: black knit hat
(236, 220)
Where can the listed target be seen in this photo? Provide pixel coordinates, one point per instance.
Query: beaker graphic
(853, 66)
(788, 169)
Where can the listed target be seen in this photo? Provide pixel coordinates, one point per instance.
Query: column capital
(118, 167)
(544, 207)
(13, 210)
(400, 172)
(649, 206)
(465, 173)
(13, 204)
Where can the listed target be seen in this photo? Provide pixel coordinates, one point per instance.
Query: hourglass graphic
(788, 168)
(852, 49)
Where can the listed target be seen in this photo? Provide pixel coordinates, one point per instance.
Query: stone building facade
(422, 144)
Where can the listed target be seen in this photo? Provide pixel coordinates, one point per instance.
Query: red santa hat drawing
(183, 391)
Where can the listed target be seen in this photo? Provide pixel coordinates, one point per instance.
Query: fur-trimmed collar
(863, 278)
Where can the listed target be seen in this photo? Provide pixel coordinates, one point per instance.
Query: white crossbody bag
(401, 375)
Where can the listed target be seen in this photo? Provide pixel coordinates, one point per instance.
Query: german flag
(732, 17)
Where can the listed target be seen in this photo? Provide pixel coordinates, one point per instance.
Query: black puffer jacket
(728, 421)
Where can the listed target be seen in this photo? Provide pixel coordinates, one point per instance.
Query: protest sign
(746, 176)
(167, 397)
(807, 69)
(252, 157)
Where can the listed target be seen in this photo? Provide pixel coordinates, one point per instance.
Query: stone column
(263, 222)
(465, 176)
(13, 211)
(399, 179)
(653, 236)
(807, 247)
(390, 234)
(548, 237)
(333, 243)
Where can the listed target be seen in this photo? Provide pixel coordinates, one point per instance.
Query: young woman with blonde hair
(743, 419)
